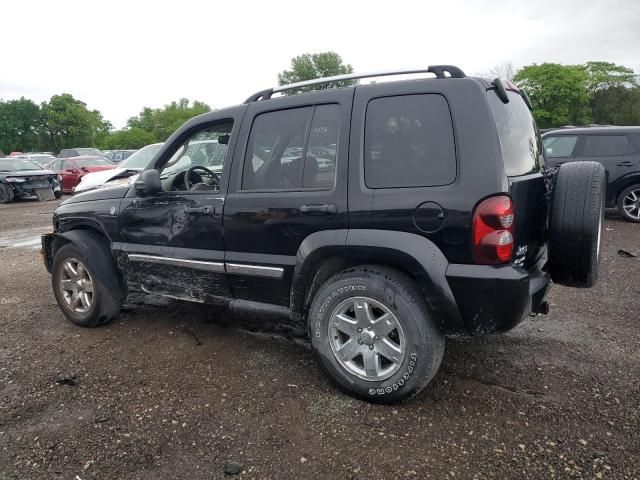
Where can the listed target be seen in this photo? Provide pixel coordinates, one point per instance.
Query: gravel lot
(174, 390)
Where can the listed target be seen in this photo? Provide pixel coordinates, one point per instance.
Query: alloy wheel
(76, 286)
(366, 338)
(631, 204)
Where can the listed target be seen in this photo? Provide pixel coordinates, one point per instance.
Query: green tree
(612, 90)
(558, 93)
(127, 138)
(315, 65)
(173, 115)
(162, 122)
(19, 125)
(66, 123)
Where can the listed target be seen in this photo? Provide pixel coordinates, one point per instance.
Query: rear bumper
(497, 298)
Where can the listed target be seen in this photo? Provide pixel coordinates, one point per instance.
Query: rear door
(615, 151)
(288, 181)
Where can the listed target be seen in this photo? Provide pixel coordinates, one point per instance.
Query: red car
(73, 169)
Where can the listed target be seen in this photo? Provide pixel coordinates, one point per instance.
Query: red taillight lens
(493, 231)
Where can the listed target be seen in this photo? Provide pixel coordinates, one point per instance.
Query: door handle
(625, 164)
(205, 210)
(315, 208)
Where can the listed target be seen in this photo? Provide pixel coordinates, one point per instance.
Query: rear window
(606, 145)
(409, 142)
(519, 138)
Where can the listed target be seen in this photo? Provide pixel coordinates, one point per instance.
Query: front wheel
(374, 335)
(6, 193)
(629, 203)
(81, 288)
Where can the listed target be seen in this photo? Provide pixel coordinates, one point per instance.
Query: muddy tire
(575, 228)
(57, 194)
(6, 193)
(374, 335)
(629, 203)
(83, 286)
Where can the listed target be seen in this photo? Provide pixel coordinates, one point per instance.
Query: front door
(288, 181)
(172, 240)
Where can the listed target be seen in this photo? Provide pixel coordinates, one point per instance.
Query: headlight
(15, 179)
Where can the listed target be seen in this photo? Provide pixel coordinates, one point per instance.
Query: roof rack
(438, 70)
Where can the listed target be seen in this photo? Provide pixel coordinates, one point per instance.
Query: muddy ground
(167, 391)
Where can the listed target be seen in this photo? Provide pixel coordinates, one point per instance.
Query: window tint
(274, 153)
(518, 134)
(320, 159)
(409, 142)
(560, 146)
(606, 145)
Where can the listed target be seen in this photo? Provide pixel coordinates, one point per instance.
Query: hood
(95, 179)
(97, 168)
(26, 173)
(98, 194)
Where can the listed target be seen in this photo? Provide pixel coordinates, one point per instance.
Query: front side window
(198, 164)
(409, 142)
(560, 146)
(606, 145)
(292, 149)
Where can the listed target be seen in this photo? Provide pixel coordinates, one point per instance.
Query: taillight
(493, 231)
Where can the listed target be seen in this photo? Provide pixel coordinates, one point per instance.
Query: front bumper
(46, 241)
(497, 298)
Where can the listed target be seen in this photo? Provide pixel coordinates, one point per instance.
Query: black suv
(379, 218)
(617, 148)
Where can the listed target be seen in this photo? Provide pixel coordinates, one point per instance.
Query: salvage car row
(42, 175)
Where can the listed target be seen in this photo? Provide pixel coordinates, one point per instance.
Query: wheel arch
(324, 254)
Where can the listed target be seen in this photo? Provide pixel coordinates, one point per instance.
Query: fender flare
(91, 244)
(414, 254)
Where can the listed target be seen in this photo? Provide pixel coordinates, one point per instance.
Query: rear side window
(519, 138)
(606, 145)
(409, 142)
(560, 146)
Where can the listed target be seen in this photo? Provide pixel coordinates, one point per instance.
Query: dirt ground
(168, 391)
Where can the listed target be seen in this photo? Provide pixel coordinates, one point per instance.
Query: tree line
(594, 92)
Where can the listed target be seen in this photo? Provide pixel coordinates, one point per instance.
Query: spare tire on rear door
(575, 227)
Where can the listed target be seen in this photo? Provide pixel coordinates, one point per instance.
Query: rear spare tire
(575, 227)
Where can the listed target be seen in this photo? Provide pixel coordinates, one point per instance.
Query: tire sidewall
(409, 379)
(87, 319)
(6, 194)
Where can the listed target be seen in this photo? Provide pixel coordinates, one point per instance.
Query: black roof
(592, 130)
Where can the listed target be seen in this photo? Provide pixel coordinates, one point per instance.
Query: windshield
(17, 165)
(141, 158)
(92, 162)
(88, 151)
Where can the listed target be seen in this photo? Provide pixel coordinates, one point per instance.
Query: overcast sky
(119, 56)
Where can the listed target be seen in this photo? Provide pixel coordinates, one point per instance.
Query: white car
(126, 172)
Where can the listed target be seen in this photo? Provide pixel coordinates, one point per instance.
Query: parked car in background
(117, 156)
(42, 159)
(617, 148)
(15, 154)
(77, 152)
(22, 178)
(73, 169)
(125, 173)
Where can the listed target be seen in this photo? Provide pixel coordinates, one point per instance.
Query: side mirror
(148, 183)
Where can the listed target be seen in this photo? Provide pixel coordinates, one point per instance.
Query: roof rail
(438, 70)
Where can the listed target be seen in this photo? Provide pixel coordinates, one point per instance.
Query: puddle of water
(23, 238)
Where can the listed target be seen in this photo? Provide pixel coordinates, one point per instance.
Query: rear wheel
(6, 193)
(575, 229)
(629, 203)
(373, 334)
